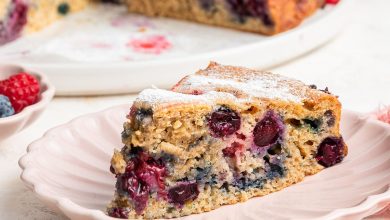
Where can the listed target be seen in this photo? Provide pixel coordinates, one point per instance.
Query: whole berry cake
(222, 136)
(18, 17)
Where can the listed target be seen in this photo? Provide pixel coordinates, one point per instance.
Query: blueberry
(276, 149)
(331, 151)
(63, 8)
(225, 187)
(202, 173)
(245, 183)
(126, 133)
(312, 86)
(140, 117)
(6, 108)
(314, 124)
(274, 171)
(224, 122)
(207, 5)
(183, 192)
(331, 120)
(269, 130)
(251, 8)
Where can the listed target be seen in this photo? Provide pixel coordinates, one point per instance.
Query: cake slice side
(191, 153)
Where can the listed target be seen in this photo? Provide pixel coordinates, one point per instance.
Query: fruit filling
(269, 130)
(183, 192)
(224, 122)
(331, 151)
(143, 176)
(22, 90)
(12, 25)
(244, 9)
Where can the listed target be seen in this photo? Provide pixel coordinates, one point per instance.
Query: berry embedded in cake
(221, 136)
(267, 17)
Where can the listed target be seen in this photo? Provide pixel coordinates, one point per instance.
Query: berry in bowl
(23, 97)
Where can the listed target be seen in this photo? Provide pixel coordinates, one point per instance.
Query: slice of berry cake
(222, 136)
(261, 16)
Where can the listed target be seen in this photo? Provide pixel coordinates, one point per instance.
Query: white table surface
(355, 66)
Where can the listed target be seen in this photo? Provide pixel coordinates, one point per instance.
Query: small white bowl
(13, 124)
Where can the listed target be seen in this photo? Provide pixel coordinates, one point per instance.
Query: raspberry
(6, 108)
(22, 90)
(333, 2)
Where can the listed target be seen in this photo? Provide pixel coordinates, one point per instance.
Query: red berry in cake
(224, 122)
(144, 175)
(251, 8)
(269, 130)
(233, 150)
(22, 89)
(183, 192)
(333, 2)
(118, 212)
(6, 108)
(12, 25)
(331, 151)
(330, 118)
(240, 136)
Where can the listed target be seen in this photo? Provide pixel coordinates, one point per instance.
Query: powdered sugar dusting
(225, 83)
(263, 87)
(160, 96)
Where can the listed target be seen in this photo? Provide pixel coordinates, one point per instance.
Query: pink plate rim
(369, 206)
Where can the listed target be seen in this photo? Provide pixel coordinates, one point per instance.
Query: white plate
(96, 44)
(68, 169)
(16, 123)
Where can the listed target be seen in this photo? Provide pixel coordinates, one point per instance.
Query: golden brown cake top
(238, 84)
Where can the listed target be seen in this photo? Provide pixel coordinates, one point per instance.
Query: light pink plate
(68, 169)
